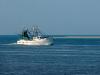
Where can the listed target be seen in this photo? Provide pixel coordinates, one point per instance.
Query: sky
(55, 17)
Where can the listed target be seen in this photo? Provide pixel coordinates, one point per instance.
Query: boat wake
(9, 44)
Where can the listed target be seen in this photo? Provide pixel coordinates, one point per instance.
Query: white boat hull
(44, 41)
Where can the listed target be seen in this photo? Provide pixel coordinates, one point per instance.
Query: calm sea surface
(68, 56)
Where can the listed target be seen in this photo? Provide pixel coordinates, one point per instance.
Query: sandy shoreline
(77, 36)
(82, 36)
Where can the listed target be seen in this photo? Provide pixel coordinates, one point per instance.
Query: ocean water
(68, 56)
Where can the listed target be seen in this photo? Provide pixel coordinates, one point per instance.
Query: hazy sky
(77, 17)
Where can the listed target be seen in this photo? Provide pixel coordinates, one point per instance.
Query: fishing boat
(34, 37)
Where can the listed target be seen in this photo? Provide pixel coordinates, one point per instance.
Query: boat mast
(36, 31)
